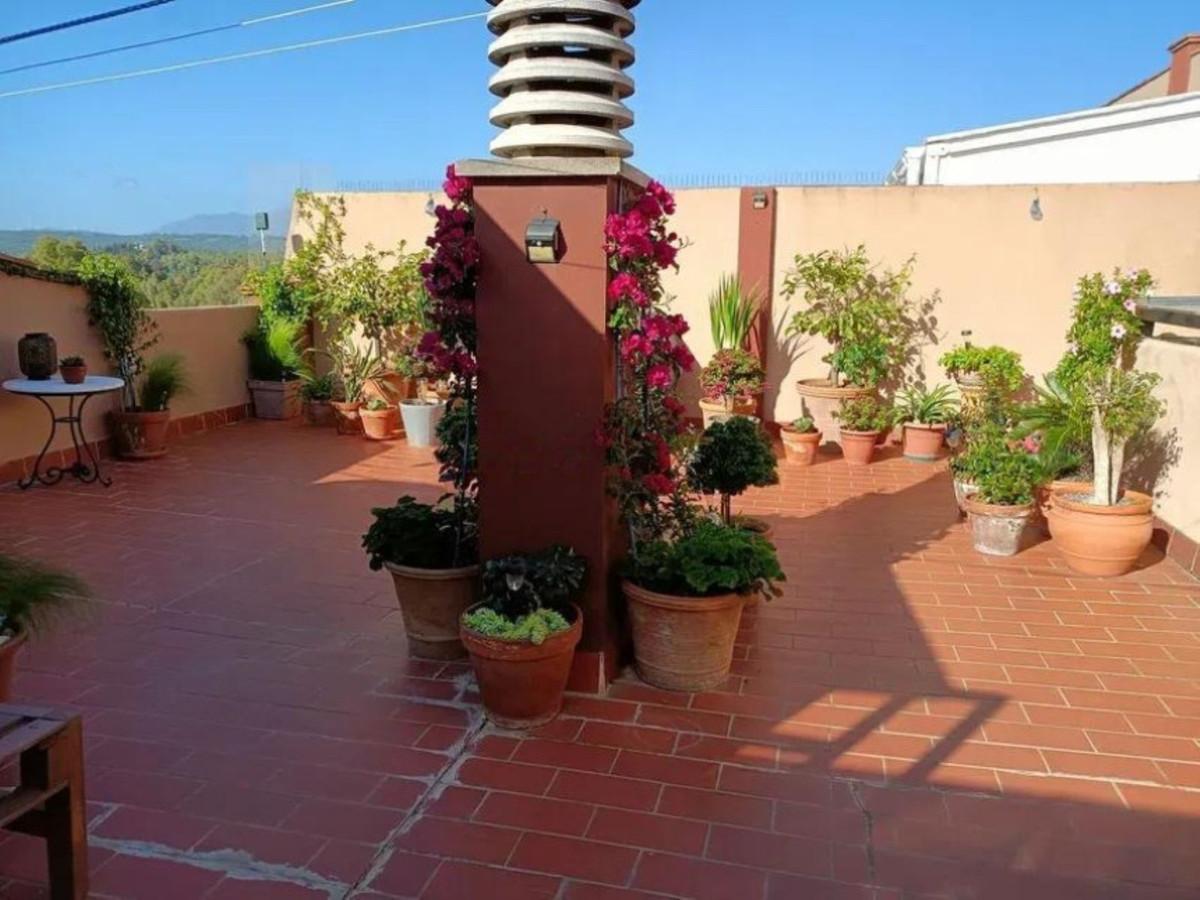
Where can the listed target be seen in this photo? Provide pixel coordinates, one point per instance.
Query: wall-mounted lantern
(544, 241)
(262, 224)
(760, 200)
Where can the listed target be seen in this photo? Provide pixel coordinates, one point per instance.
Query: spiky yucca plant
(164, 379)
(32, 595)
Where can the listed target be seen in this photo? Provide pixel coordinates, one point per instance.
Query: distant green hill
(19, 243)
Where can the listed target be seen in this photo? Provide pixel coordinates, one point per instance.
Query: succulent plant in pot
(73, 369)
(801, 440)
(1003, 503)
(730, 457)
(431, 552)
(318, 392)
(380, 419)
(31, 596)
(862, 421)
(924, 414)
(522, 635)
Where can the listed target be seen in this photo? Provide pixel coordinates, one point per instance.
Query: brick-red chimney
(1182, 52)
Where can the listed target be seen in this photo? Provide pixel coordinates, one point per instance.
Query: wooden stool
(49, 801)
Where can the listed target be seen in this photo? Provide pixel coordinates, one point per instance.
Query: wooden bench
(49, 801)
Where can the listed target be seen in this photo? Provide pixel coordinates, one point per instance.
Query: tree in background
(58, 254)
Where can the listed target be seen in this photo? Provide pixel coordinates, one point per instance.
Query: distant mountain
(19, 243)
(231, 223)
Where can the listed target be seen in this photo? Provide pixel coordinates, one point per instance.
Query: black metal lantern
(544, 241)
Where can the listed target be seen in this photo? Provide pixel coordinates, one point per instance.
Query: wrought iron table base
(80, 469)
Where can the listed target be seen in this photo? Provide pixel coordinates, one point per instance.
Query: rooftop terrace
(910, 719)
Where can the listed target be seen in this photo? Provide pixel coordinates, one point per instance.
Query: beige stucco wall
(1001, 274)
(1177, 489)
(208, 338)
(382, 219)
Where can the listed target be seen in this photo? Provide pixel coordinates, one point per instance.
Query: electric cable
(85, 20)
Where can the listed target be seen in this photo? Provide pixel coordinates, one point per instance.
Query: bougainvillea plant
(448, 349)
(645, 426)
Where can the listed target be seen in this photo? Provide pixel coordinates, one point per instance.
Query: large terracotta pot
(800, 447)
(1101, 540)
(923, 442)
(858, 446)
(821, 400)
(141, 435)
(380, 424)
(346, 417)
(432, 601)
(682, 643)
(319, 413)
(720, 410)
(997, 530)
(1046, 492)
(522, 683)
(275, 399)
(8, 662)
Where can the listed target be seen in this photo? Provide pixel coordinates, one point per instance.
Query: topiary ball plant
(732, 456)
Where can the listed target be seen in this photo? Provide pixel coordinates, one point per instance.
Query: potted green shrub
(141, 432)
(317, 392)
(800, 440)
(1003, 503)
(865, 316)
(431, 553)
(862, 421)
(730, 457)
(380, 419)
(924, 414)
(73, 369)
(522, 636)
(354, 367)
(685, 597)
(733, 380)
(980, 370)
(1058, 429)
(275, 366)
(31, 595)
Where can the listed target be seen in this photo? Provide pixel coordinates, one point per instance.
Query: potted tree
(275, 366)
(31, 595)
(685, 597)
(862, 421)
(431, 553)
(317, 392)
(866, 318)
(982, 370)
(924, 414)
(800, 440)
(1003, 503)
(380, 419)
(730, 457)
(733, 380)
(141, 431)
(522, 636)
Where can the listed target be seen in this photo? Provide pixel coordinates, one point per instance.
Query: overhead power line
(177, 37)
(85, 20)
(252, 54)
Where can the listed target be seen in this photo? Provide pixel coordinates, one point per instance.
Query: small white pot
(421, 419)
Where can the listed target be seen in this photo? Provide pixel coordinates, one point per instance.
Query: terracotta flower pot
(800, 447)
(73, 374)
(380, 424)
(1101, 540)
(1046, 492)
(859, 446)
(682, 643)
(431, 602)
(319, 413)
(8, 662)
(522, 683)
(141, 435)
(720, 410)
(346, 417)
(821, 400)
(923, 442)
(996, 530)
(275, 399)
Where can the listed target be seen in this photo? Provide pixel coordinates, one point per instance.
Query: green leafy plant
(32, 595)
(164, 379)
(355, 367)
(458, 447)
(865, 414)
(986, 440)
(420, 535)
(1010, 476)
(997, 367)
(926, 406)
(274, 350)
(317, 388)
(732, 456)
(1105, 329)
(1058, 421)
(72, 361)
(377, 404)
(526, 597)
(804, 425)
(117, 309)
(281, 296)
(709, 559)
(732, 375)
(731, 313)
(867, 317)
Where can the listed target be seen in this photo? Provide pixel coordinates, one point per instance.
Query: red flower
(659, 376)
(658, 483)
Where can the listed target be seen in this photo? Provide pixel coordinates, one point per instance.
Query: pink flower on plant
(1031, 443)
(659, 376)
(458, 189)
(1130, 305)
(626, 286)
(674, 406)
(1118, 332)
(658, 483)
(683, 357)
(1112, 288)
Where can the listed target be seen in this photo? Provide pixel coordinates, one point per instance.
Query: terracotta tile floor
(910, 720)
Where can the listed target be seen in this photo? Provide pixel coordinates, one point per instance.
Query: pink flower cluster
(450, 275)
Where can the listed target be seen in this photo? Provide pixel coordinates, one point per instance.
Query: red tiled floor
(909, 720)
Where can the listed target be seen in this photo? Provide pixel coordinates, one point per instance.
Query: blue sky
(739, 90)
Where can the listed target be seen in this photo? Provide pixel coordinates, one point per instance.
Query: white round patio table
(86, 469)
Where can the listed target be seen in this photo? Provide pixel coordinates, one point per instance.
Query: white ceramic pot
(421, 419)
